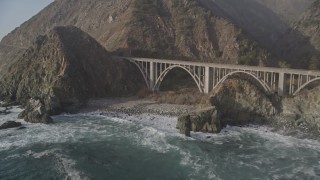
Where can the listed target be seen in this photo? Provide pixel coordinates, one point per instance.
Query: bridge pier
(152, 77)
(208, 80)
(281, 84)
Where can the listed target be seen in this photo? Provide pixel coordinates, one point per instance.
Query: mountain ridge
(177, 33)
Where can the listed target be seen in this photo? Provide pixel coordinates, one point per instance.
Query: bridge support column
(208, 80)
(281, 84)
(152, 77)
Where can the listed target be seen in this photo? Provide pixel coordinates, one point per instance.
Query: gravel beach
(134, 105)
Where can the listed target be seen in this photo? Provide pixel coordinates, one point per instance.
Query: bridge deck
(231, 66)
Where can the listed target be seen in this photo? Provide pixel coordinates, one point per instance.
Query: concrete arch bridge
(208, 76)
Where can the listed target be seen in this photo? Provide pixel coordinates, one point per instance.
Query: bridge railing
(208, 76)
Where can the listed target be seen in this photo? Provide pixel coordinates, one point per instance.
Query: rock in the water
(35, 113)
(22, 127)
(204, 120)
(10, 124)
(184, 125)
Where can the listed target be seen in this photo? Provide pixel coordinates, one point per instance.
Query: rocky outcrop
(241, 102)
(204, 120)
(237, 101)
(64, 69)
(302, 112)
(10, 124)
(35, 112)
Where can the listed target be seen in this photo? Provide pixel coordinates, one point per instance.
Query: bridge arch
(265, 86)
(164, 73)
(305, 85)
(143, 72)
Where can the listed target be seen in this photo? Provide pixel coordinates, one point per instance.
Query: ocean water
(94, 146)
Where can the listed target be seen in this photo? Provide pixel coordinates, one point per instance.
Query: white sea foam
(60, 132)
(65, 163)
(69, 168)
(12, 116)
(234, 133)
(153, 132)
(163, 123)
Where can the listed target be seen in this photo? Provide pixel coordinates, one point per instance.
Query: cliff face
(154, 28)
(64, 68)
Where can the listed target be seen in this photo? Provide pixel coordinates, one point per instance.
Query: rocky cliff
(64, 68)
(154, 28)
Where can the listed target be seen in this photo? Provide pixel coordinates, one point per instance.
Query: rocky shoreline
(190, 117)
(186, 118)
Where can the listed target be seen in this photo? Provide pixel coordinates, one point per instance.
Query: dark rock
(204, 120)
(20, 128)
(35, 113)
(184, 125)
(10, 124)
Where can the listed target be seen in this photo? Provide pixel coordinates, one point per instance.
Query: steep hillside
(270, 23)
(288, 10)
(301, 45)
(96, 17)
(309, 24)
(64, 68)
(265, 20)
(9, 55)
(154, 28)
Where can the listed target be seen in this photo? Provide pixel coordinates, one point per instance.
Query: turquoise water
(93, 146)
